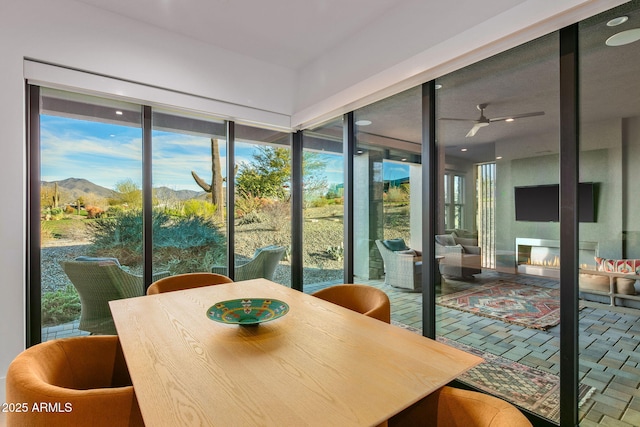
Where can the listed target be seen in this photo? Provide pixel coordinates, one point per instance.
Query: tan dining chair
(364, 299)
(78, 381)
(453, 407)
(186, 281)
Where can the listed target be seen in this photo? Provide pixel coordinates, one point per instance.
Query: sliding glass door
(497, 132)
(610, 217)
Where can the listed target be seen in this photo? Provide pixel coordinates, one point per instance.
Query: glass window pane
(323, 192)
(263, 204)
(483, 266)
(387, 199)
(610, 218)
(189, 173)
(91, 200)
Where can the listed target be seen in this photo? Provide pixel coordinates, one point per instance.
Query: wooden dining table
(318, 365)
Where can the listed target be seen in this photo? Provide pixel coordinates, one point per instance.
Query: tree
(129, 193)
(215, 188)
(269, 174)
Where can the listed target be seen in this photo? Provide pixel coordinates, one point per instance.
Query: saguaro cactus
(215, 188)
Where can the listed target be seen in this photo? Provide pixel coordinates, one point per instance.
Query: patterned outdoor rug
(529, 388)
(526, 387)
(525, 305)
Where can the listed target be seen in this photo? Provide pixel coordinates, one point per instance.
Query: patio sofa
(461, 255)
(614, 281)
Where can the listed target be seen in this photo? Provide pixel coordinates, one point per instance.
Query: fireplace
(541, 257)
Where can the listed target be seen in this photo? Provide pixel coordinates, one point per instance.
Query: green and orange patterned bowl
(247, 311)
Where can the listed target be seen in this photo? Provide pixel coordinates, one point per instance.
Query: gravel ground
(321, 231)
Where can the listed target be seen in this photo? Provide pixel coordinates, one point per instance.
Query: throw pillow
(98, 259)
(395, 245)
(446, 239)
(626, 266)
(407, 252)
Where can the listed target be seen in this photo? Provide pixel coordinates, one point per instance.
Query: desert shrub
(277, 215)
(176, 240)
(197, 207)
(250, 218)
(70, 210)
(397, 195)
(60, 306)
(319, 202)
(94, 212)
(114, 210)
(247, 204)
(336, 252)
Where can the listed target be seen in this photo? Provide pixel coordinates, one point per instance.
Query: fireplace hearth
(541, 257)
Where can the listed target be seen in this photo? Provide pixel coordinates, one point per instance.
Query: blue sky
(106, 154)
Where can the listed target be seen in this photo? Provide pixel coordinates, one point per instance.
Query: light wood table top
(320, 364)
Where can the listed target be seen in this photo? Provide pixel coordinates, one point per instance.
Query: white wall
(74, 35)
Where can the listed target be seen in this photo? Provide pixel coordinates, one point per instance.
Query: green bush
(177, 241)
(197, 207)
(60, 306)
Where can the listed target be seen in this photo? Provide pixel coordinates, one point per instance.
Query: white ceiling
(285, 32)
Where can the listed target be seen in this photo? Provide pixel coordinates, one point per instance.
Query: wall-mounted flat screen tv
(542, 202)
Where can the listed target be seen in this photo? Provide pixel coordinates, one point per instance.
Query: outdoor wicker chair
(98, 281)
(402, 265)
(263, 265)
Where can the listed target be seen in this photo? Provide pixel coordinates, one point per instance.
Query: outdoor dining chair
(186, 281)
(364, 299)
(98, 281)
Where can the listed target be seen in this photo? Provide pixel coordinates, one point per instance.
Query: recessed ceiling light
(499, 157)
(617, 21)
(624, 37)
(438, 86)
(404, 159)
(363, 122)
(509, 119)
(118, 112)
(359, 152)
(464, 149)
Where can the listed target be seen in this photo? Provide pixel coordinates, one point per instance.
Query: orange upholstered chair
(79, 381)
(186, 281)
(364, 299)
(452, 407)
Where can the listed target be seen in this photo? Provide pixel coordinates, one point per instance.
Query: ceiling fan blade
(458, 120)
(517, 116)
(475, 129)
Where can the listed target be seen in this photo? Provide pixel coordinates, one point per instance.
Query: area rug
(529, 388)
(525, 305)
(524, 386)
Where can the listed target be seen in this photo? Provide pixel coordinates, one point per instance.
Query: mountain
(165, 193)
(72, 188)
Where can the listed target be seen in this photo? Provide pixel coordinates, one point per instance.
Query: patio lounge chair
(263, 265)
(98, 281)
(402, 265)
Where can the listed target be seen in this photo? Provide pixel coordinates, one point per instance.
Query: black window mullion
(34, 276)
(296, 212)
(147, 196)
(569, 319)
(230, 196)
(349, 141)
(429, 194)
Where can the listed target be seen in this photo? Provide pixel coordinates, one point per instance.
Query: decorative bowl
(247, 311)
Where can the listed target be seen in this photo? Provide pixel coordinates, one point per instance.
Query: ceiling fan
(482, 121)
